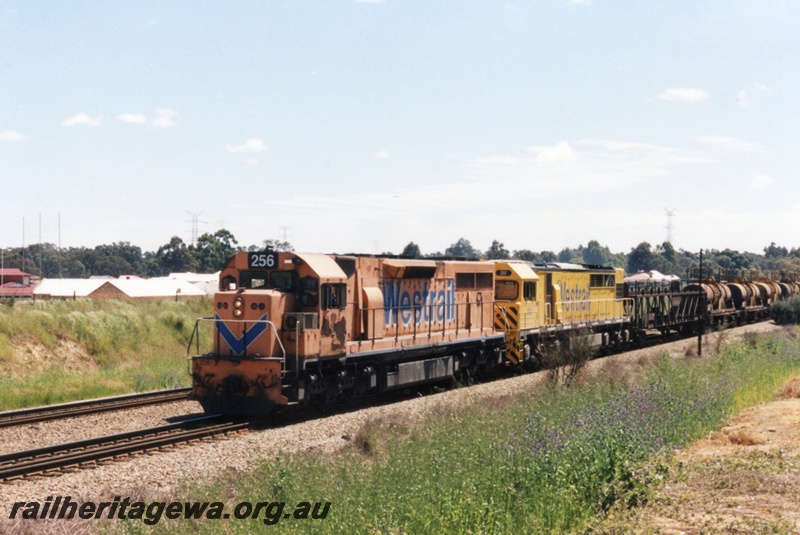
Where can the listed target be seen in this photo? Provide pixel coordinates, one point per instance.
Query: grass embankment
(552, 462)
(56, 351)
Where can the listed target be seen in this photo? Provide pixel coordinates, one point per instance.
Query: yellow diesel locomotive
(537, 304)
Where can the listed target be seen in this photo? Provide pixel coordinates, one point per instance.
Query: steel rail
(74, 454)
(90, 406)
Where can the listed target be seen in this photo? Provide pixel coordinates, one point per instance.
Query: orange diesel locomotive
(292, 329)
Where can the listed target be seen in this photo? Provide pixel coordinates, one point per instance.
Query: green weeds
(57, 351)
(551, 462)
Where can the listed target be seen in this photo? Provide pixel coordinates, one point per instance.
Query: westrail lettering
(423, 304)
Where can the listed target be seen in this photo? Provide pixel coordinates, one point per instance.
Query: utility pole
(701, 321)
(41, 267)
(60, 274)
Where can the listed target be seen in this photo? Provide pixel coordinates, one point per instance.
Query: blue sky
(359, 126)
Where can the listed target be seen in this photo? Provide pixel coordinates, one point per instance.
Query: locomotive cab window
(309, 292)
(529, 290)
(506, 290)
(334, 296)
(283, 281)
(252, 279)
(227, 283)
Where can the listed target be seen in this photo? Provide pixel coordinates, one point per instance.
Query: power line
(285, 232)
(195, 224)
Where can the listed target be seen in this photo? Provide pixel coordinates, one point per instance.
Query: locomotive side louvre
(290, 328)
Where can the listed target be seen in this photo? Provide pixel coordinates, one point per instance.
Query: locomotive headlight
(237, 303)
(237, 312)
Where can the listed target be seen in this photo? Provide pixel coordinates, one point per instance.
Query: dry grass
(375, 435)
(743, 438)
(791, 389)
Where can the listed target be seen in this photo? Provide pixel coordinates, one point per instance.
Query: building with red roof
(14, 275)
(15, 284)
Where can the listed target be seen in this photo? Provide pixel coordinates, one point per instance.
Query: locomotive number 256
(263, 260)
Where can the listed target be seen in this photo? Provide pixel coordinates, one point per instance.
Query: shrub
(786, 312)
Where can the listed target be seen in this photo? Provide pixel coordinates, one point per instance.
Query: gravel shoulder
(159, 474)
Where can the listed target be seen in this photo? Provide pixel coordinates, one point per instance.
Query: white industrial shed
(208, 282)
(121, 288)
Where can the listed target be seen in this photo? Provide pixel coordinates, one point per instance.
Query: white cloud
(730, 143)
(742, 99)
(562, 152)
(581, 2)
(683, 94)
(249, 146)
(761, 181)
(563, 169)
(382, 154)
(561, 194)
(10, 135)
(164, 118)
(82, 119)
(135, 118)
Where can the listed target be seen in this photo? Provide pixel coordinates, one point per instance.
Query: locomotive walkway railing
(222, 332)
(587, 311)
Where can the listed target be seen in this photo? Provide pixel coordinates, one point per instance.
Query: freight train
(293, 329)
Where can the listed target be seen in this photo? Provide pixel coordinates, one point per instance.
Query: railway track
(91, 406)
(80, 453)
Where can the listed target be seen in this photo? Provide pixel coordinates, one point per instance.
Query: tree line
(211, 250)
(644, 257)
(207, 255)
